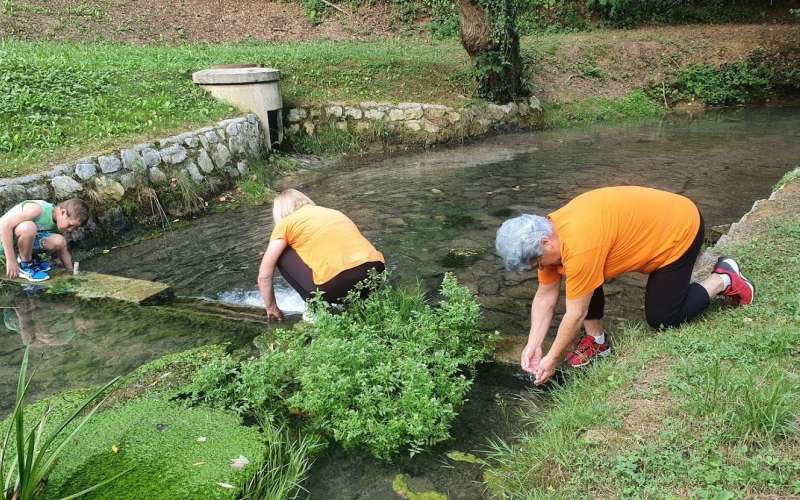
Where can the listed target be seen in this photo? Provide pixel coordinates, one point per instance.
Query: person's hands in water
(530, 358)
(546, 369)
(274, 313)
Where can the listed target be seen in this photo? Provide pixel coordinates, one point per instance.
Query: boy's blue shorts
(38, 240)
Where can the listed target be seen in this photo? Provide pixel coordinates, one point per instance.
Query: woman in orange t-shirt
(315, 249)
(598, 236)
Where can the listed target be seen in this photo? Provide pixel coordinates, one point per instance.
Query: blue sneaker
(31, 273)
(42, 265)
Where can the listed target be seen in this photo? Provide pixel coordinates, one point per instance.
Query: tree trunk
(493, 47)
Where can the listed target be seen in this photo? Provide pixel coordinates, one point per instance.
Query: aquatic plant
(38, 451)
(388, 373)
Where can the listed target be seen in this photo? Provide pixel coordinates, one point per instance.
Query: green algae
(462, 257)
(460, 456)
(400, 486)
(174, 452)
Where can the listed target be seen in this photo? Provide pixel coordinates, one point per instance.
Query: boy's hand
(12, 268)
(274, 313)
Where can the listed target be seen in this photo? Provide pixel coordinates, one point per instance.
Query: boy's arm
(30, 211)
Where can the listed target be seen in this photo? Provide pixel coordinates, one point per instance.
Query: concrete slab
(88, 285)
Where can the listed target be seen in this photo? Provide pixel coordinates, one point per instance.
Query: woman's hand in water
(274, 313)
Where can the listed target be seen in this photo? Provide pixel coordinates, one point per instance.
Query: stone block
(211, 136)
(194, 172)
(12, 194)
(309, 128)
(374, 114)
(534, 103)
(430, 127)
(293, 128)
(413, 113)
(362, 126)
(204, 162)
(132, 160)
(396, 115)
(62, 169)
(296, 115)
(221, 156)
(341, 125)
(85, 171)
(65, 187)
(242, 168)
(236, 144)
(151, 157)
(414, 125)
(174, 154)
(38, 192)
(335, 111)
(354, 113)
(232, 128)
(368, 104)
(108, 189)
(409, 105)
(157, 176)
(435, 113)
(190, 140)
(129, 180)
(315, 112)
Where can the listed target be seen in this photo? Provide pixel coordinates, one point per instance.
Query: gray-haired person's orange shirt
(610, 231)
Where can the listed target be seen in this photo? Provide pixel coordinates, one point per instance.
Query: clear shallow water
(415, 208)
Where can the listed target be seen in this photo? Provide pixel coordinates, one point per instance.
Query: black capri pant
(670, 298)
(300, 277)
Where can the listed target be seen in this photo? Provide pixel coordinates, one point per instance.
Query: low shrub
(734, 83)
(389, 373)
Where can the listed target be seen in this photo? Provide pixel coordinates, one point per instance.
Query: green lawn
(59, 101)
(709, 410)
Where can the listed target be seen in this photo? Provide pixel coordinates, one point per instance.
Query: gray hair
(519, 240)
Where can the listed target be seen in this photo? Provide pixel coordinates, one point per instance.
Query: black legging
(670, 298)
(300, 277)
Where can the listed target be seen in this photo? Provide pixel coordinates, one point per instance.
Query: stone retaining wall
(113, 183)
(430, 123)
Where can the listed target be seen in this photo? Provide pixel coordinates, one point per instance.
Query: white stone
(534, 103)
(191, 140)
(296, 114)
(211, 137)
(65, 187)
(453, 117)
(355, 113)
(414, 125)
(409, 105)
(413, 113)
(309, 128)
(430, 127)
(368, 104)
(335, 111)
(204, 162)
(232, 129)
(396, 115)
(374, 114)
(242, 167)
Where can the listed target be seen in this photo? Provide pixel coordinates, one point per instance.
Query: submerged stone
(462, 257)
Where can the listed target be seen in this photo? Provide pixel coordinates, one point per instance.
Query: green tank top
(45, 220)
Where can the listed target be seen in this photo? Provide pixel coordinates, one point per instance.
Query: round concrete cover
(228, 76)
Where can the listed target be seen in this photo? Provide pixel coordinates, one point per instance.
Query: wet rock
(65, 187)
(109, 164)
(462, 257)
(508, 348)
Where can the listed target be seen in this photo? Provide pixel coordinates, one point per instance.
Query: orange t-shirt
(610, 231)
(326, 240)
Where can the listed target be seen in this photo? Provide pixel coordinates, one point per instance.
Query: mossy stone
(462, 257)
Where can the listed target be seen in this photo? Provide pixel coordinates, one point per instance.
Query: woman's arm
(265, 271)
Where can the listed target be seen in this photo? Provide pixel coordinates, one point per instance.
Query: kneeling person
(315, 249)
(35, 225)
(598, 236)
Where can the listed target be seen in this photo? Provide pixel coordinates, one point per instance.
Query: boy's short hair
(77, 209)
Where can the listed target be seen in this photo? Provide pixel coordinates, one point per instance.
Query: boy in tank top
(36, 226)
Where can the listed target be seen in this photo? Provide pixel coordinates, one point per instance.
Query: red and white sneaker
(587, 350)
(741, 290)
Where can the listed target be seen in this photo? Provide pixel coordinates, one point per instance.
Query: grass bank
(710, 410)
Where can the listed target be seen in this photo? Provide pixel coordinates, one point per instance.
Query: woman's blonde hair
(287, 203)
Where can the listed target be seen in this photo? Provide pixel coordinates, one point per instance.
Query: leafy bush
(388, 373)
(734, 83)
